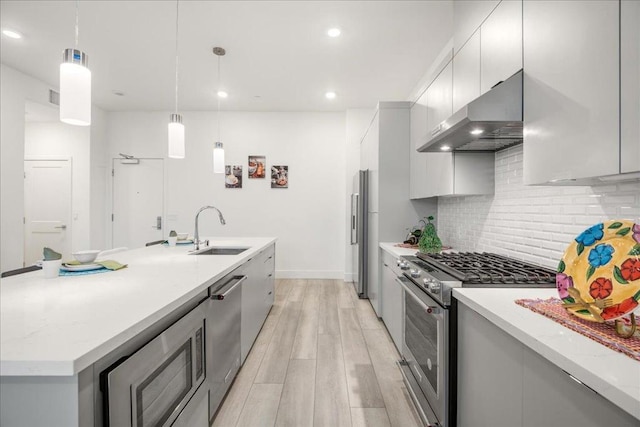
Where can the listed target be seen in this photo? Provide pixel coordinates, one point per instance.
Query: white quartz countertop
(62, 325)
(396, 251)
(611, 374)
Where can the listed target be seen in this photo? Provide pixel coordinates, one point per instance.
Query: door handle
(158, 225)
(63, 227)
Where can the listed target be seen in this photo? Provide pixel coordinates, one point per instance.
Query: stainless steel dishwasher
(223, 336)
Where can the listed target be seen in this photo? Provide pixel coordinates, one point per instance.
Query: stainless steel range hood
(491, 122)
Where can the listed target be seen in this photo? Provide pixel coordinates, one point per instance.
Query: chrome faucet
(196, 235)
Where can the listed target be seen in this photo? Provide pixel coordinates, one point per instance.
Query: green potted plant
(429, 242)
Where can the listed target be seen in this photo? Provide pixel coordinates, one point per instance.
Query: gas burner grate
(487, 268)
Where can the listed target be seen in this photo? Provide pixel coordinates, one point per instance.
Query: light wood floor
(322, 359)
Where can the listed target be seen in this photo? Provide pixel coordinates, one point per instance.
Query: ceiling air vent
(54, 97)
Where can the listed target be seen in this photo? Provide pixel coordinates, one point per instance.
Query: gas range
(438, 274)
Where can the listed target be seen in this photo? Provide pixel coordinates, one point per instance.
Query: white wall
(59, 139)
(15, 89)
(307, 218)
(534, 224)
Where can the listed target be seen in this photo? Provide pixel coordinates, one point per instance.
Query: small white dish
(86, 257)
(183, 236)
(82, 267)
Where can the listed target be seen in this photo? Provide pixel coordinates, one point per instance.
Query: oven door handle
(433, 310)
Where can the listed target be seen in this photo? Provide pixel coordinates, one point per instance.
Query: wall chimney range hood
(491, 122)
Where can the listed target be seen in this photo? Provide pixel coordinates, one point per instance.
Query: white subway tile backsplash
(534, 224)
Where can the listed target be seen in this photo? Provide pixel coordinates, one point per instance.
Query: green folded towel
(109, 263)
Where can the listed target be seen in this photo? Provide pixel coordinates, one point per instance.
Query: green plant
(429, 241)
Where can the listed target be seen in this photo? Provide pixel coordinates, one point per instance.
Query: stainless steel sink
(220, 251)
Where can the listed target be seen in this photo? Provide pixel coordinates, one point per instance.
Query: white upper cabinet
(571, 90)
(630, 86)
(501, 44)
(466, 73)
(417, 161)
(439, 97)
(468, 15)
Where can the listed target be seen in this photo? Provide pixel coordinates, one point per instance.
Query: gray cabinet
(502, 382)
(630, 86)
(257, 296)
(571, 90)
(500, 44)
(459, 174)
(391, 299)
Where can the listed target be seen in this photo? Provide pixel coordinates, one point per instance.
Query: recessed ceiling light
(476, 132)
(222, 94)
(330, 95)
(333, 32)
(445, 148)
(12, 34)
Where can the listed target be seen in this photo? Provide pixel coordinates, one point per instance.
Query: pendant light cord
(177, 15)
(77, 31)
(218, 95)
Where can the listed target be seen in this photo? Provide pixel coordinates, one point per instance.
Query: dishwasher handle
(228, 287)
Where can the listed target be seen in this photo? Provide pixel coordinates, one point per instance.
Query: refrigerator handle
(354, 218)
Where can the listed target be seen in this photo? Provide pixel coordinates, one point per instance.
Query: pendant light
(75, 85)
(218, 149)
(176, 128)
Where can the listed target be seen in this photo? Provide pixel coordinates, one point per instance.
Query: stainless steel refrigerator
(359, 231)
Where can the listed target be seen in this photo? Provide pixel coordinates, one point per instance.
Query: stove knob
(415, 273)
(434, 287)
(404, 265)
(399, 262)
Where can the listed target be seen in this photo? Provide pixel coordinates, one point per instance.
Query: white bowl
(86, 257)
(183, 236)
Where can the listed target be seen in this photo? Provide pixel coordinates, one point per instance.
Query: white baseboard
(349, 277)
(309, 274)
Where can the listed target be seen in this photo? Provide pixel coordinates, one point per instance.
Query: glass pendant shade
(75, 88)
(218, 158)
(176, 137)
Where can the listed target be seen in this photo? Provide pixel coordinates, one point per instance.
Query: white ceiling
(279, 57)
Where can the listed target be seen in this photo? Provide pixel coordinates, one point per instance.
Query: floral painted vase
(603, 263)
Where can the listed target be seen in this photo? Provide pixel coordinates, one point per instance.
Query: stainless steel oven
(153, 386)
(425, 352)
(429, 364)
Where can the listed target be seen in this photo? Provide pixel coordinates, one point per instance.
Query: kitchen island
(55, 332)
(518, 367)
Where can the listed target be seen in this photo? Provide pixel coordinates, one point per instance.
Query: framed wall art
(257, 166)
(279, 176)
(233, 176)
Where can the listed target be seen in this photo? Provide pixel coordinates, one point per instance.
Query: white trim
(43, 158)
(309, 274)
(349, 277)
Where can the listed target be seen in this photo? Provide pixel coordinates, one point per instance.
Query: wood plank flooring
(322, 358)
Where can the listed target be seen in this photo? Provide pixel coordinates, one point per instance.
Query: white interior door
(47, 208)
(138, 202)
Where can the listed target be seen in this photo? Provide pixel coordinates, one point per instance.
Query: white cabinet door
(439, 174)
(468, 15)
(466, 73)
(371, 146)
(418, 161)
(391, 300)
(571, 90)
(440, 98)
(373, 285)
(501, 44)
(630, 86)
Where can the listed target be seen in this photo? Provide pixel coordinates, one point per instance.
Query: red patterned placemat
(604, 333)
